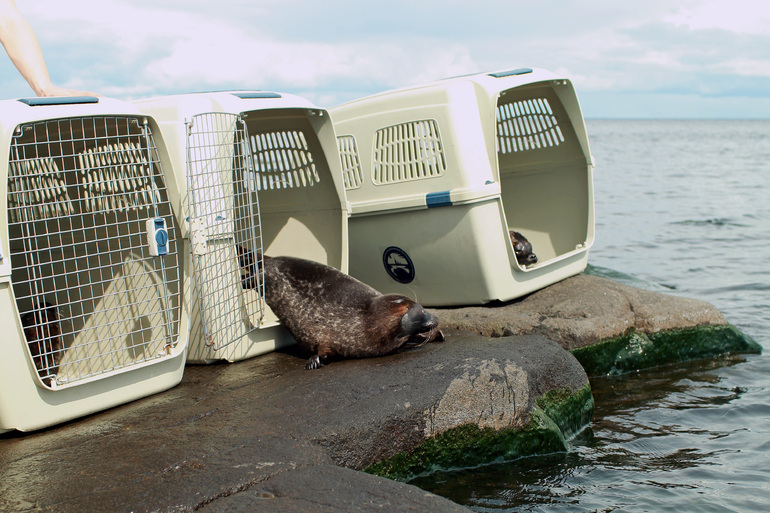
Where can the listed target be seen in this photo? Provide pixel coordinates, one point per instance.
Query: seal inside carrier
(89, 271)
(456, 185)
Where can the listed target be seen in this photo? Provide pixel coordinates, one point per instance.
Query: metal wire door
(92, 295)
(225, 228)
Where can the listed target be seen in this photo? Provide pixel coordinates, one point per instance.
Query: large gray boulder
(267, 434)
(583, 310)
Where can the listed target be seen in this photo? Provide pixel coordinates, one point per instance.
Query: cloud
(126, 49)
(740, 16)
(335, 51)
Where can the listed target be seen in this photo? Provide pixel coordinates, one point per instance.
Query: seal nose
(431, 321)
(417, 320)
(532, 258)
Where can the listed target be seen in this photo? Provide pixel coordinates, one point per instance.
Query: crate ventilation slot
(527, 125)
(351, 163)
(90, 295)
(37, 190)
(407, 152)
(111, 177)
(116, 177)
(225, 226)
(281, 160)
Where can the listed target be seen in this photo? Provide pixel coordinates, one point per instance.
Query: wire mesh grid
(91, 297)
(225, 228)
(409, 151)
(527, 124)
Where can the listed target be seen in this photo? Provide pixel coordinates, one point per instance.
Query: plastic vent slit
(408, 152)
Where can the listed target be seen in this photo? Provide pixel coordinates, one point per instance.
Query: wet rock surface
(332, 489)
(583, 310)
(265, 433)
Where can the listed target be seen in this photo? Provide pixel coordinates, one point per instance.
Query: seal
(43, 334)
(522, 248)
(334, 315)
(250, 264)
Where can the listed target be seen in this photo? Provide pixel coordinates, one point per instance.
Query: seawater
(682, 207)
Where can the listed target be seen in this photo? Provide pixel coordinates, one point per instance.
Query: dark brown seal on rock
(522, 248)
(250, 263)
(43, 334)
(334, 315)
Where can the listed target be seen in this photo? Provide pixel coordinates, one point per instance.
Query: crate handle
(59, 100)
(517, 71)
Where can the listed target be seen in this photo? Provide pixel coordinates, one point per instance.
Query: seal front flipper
(318, 360)
(314, 362)
(435, 335)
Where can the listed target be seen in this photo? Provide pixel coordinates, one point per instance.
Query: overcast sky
(652, 58)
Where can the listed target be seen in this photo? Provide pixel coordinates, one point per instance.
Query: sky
(650, 59)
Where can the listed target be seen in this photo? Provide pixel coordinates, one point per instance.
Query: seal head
(522, 248)
(43, 334)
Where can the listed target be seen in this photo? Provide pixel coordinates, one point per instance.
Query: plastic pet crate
(438, 175)
(90, 295)
(260, 175)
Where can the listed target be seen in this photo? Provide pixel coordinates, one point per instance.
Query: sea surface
(682, 207)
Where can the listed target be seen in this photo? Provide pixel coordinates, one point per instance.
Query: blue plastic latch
(510, 73)
(59, 100)
(161, 237)
(157, 236)
(438, 199)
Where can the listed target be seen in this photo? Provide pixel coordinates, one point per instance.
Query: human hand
(54, 90)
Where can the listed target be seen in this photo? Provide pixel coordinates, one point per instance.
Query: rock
(581, 311)
(265, 433)
(378, 408)
(331, 489)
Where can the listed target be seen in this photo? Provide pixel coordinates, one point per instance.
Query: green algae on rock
(571, 412)
(558, 416)
(636, 350)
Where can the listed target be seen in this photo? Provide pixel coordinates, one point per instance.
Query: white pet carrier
(90, 296)
(261, 176)
(439, 175)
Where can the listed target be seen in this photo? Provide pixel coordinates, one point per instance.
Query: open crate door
(93, 247)
(225, 228)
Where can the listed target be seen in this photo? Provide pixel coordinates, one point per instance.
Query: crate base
(258, 342)
(460, 255)
(27, 405)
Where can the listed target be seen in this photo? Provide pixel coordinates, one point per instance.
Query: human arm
(23, 48)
